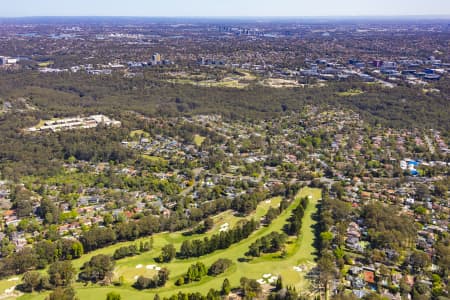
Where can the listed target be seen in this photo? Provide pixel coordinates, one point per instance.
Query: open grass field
(351, 92)
(237, 80)
(6, 285)
(280, 83)
(300, 252)
(226, 83)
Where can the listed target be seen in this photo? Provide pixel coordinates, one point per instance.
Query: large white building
(156, 59)
(76, 123)
(4, 60)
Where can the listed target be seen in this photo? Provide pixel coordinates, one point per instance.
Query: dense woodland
(75, 94)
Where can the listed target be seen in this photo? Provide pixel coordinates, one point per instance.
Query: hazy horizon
(227, 9)
(235, 17)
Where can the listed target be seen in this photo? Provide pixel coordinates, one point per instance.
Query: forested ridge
(69, 94)
(62, 95)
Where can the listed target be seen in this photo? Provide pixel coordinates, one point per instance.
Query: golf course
(297, 260)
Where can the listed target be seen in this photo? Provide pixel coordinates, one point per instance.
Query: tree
(213, 295)
(146, 246)
(195, 272)
(327, 270)
(186, 248)
(168, 253)
(68, 249)
(209, 223)
(24, 207)
(46, 252)
(77, 249)
(31, 280)
(373, 296)
(419, 260)
(226, 287)
(162, 276)
(61, 273)
(422, 192)
(325, 239)
(443, 257)
(6, 247)
(62, 294)
(405, 288)
(440, 188)
(158, 280)
(126, 251)
(108, 219)
(279, 284)
(49, 211)
(338, 189)
(270, 243)
(250, 287)
(143, 283)
(97, 237)
(24, 260)
(271, 214)
(22, 201)
(420, 291)
(71, 159)
(99, 268)
(219, 266)
(113, 296)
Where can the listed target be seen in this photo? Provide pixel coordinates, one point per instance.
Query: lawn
(8, 284)
(155, 159)
(231, 218)
(139, 133)
(280, 83)
(350, 92)
(45, 64)
(227, 82)
(300, 253)
(239, 80)
(42, 122)
(198, 140)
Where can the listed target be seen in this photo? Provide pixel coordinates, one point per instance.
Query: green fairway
(299, 253)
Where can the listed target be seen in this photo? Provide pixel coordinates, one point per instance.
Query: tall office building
(156, 59)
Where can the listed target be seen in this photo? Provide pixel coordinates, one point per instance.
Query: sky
(221, 8)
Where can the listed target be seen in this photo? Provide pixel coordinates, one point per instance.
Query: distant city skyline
(225, 8)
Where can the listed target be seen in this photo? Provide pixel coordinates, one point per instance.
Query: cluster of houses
(361, 278)
(350, 147)
(412, 71)
(109, 68)
(377, 180)
(351, 143)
